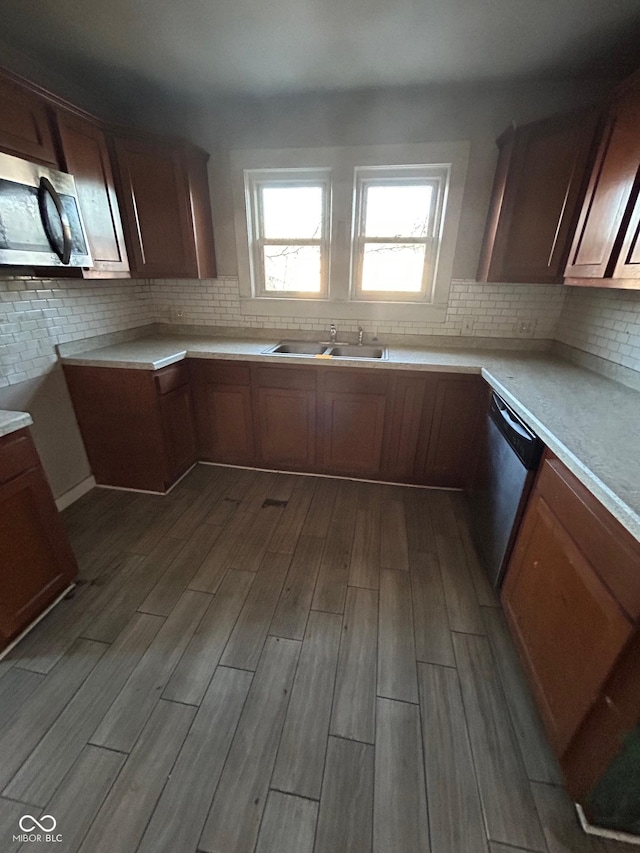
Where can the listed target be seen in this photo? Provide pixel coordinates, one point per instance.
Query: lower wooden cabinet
(571, 600)
(136, 424)
(352, 417)
(142, 430)
(35, 554)
(223, 411)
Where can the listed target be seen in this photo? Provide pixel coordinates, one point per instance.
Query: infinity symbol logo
(28, 823)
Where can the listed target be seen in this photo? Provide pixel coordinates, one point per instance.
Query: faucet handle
(333, 333)
(360, 335)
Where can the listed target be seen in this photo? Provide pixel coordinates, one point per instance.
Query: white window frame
(438, 177)
(342, 162)
(255, 180)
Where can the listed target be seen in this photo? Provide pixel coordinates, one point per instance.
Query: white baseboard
(589, 828)
(76, 492)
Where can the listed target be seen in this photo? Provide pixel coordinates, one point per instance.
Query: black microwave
(40, 220)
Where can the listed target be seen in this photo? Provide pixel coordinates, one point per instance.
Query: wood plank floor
(281, 664)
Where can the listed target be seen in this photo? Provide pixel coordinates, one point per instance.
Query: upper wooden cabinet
(605, 250)
(537, 191)
(165, 204)
(84, 153)
(24, 123)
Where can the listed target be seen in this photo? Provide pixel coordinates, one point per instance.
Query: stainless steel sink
(357, 351)
(297, 348)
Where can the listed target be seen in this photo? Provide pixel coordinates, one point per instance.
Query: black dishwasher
(508, 459)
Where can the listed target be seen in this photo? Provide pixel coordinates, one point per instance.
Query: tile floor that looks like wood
(281, 664)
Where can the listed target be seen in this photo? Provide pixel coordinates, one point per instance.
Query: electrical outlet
(177, 315)
(525, 328)
(467, 326)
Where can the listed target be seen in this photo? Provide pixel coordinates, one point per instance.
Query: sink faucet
(333, 334)
(360, 335)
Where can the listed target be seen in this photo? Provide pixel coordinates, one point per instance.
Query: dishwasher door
(501, 486)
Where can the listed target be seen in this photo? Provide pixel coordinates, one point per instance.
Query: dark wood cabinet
(36, 557)
(352, 419)
(404, 425)
(85, 154)
(24, 123)
(285, 413)
(450, 414)
(572, 600)
(165, 204)
(604, 252)
(136, 424)
(538, 189)
(223, 411)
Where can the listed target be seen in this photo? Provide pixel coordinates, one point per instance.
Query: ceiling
(198, 49)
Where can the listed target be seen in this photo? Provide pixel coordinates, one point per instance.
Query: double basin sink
(326, 350)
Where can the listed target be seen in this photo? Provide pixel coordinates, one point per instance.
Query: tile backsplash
(603, 323)
(37, 314)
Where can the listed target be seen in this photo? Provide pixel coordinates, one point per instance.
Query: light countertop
(590, 422)
(12, 421)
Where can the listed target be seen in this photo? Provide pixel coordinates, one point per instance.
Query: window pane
(398, 211)
(393, 267)
(292, 268)
(292, 213)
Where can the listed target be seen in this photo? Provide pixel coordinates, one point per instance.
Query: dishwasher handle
(525, 443)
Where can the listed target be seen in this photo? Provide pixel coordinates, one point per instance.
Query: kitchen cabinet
(605, 250)
(223, 411)
(36, 557)
(572, 601)
(85, 155)
(404, 424)
(447, 449)
(537, 192)
(353, 406)
(164, 197)
(285, 413)
(137, 425)
(24, 123)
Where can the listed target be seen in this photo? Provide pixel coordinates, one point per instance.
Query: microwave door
(55, 220)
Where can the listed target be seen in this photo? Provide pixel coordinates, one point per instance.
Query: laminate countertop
(13, 421)
(590, 422)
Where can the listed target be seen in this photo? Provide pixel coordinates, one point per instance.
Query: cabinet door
(177, 420)
(353, 428)
(405, 415)
(568, 627)
(156, 209)
(608, 194)
(448, 429)
(540, 188)
(286, 420)
(37, 561)
(24, 124)
(628, 263)
(87, 158)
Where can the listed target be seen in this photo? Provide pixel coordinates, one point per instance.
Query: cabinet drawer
(613, 552)
(222, 372)
(172, 377)
(294, 378)
(356, 382)
(17, 454)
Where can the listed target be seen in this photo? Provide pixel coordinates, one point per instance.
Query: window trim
(255, 180)
(342, 161)
(410, 175)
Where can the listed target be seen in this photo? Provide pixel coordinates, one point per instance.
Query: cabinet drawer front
(294, 378)
(222, 372)
(356, 382)
(612, 551)
(17, 454)
(172, 377)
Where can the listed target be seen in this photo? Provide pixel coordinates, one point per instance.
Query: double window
(344, 226)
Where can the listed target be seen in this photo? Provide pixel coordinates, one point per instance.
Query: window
(397, 231)
(360, 233)
(289, 227)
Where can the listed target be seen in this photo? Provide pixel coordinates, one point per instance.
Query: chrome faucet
(333, 334)
(360, 335)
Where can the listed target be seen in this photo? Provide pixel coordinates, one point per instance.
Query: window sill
(333, 310)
